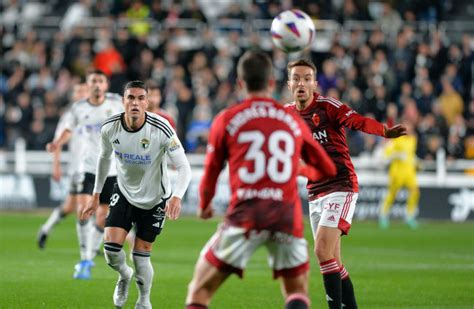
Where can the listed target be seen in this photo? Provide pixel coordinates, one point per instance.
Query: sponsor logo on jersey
(315, 119)
(133, 158)
(116, 141)
(321, 136)
(175, 144)
(145, 143)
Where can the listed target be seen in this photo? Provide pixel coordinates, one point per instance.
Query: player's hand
(206, 213)
(173, 208)
(56, 172)
(395, 131)
(51, 147)
(91, 207)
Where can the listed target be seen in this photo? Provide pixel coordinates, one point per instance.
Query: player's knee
(322, 252)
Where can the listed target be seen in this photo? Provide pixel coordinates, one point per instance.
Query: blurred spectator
(385, 68)
(198, 130)
(109, 60)
(450, 102)
(138, 14)
(327, 78)
(76, 13)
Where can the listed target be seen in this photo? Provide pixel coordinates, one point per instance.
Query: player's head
(154, 96)
(97, 82)
(302, 79)
(79, 92)
(254, 70)
(135, 99)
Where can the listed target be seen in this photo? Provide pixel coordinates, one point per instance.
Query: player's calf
(297, 301)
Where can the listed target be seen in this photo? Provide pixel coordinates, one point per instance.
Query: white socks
(144, 275)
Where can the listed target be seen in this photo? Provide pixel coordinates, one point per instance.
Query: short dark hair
(98, 72)
(301, 62)
(135, 84)
(255, 69)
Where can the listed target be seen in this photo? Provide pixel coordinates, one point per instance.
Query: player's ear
(271, 84)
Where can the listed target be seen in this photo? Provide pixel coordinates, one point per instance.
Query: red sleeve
(347, 117)
(215, 158)
(320, 165)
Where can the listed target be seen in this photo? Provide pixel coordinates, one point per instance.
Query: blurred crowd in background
(392, 70)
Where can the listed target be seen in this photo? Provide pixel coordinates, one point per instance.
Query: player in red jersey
(154, 97)
(331, 201)
(263, 144)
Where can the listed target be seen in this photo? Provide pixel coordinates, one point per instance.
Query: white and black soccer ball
(292, 31)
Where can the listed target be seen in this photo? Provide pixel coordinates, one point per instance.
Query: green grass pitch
(432, 267)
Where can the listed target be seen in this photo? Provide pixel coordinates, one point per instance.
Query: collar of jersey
(124, 126)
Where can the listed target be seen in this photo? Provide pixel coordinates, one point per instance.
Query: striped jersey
(327, 118)
(86, 119)
(141, 158)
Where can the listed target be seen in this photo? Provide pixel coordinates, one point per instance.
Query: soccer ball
(292, 31)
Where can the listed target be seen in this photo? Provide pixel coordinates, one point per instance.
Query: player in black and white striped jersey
(142, 143)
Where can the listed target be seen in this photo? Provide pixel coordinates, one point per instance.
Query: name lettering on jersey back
(132, 158)
(262, 110)
(275, 194)
(321, 136)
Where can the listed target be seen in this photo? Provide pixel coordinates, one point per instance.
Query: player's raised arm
(349, 118)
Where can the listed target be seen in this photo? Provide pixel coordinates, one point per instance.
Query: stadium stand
(411, 60)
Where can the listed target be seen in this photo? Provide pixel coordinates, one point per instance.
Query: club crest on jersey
(315, 119)
(145, 143)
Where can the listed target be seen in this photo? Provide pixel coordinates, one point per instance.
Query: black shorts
(76, 183)
(148, 223)
(107, 190)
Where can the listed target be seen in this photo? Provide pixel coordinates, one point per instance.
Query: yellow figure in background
(402, 174)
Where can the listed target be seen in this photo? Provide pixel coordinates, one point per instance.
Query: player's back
(263, 142)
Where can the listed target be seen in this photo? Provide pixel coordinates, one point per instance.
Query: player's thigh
(82, 201)
(327, 239)
(287, 255)
(101, 214)
(119, 212)
(149, 222)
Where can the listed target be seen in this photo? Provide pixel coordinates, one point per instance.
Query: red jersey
(263, 144)
(165, 115)
(327, 118)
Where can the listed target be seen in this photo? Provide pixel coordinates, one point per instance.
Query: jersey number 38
(281, 146)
